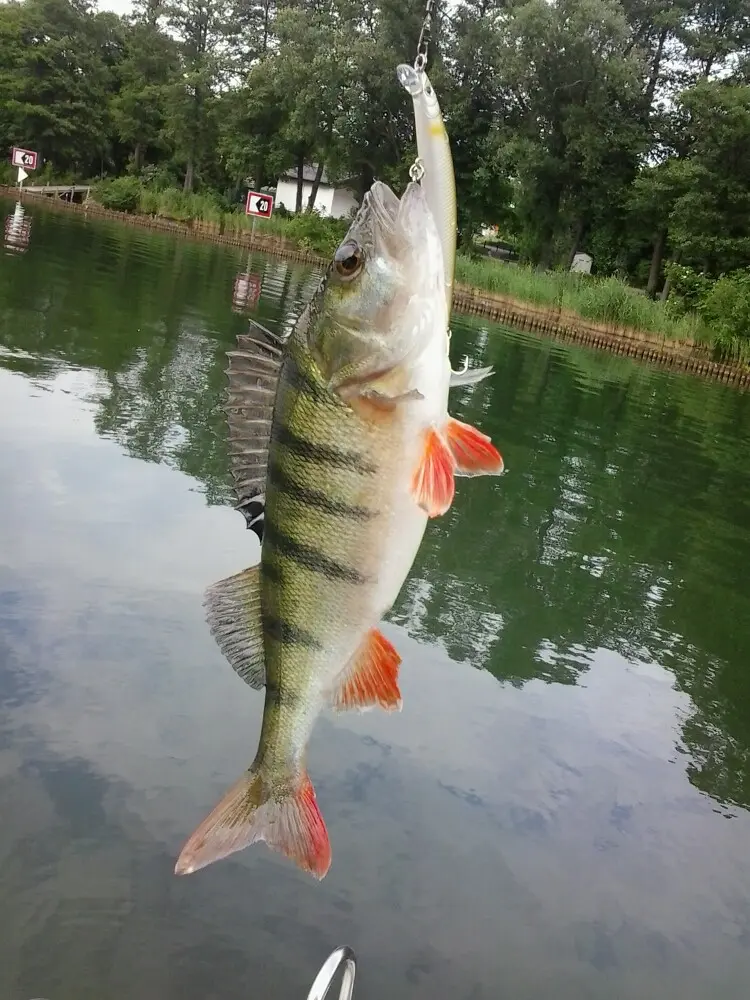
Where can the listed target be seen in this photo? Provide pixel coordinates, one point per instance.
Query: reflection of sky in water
(551, 844)
(521, 840)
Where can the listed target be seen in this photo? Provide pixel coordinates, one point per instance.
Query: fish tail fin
(473, 452)
(287, 818)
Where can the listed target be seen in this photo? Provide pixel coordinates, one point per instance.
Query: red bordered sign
(25, 158)
(259, 204)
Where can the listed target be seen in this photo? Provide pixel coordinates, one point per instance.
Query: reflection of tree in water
(155, 319)
(623, 521)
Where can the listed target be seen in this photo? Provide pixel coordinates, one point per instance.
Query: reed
(603, 300)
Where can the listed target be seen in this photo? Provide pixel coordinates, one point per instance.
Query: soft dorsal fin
(234, 617)
(253, 376)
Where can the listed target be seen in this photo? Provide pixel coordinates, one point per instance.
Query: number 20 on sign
(25, 158)
(259, 204)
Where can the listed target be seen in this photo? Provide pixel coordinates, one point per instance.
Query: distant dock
(65, 192)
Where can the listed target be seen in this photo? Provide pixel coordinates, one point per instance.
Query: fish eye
(349, 259)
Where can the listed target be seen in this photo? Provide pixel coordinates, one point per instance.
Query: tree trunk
(668, 284)
(580, 232)
(137, 157)
(300, 182)
(266, 25)
(657, 257)
(656, 68)
(315, 186)
(366, 180)
(259, 173)
(189, 174)
(546, 252)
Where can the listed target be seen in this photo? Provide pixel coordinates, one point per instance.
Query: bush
(315, 232)
(123, 194)
(723, 305)
(726, 309)
(689, 289)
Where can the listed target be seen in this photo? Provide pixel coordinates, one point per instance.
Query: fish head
(383, 298)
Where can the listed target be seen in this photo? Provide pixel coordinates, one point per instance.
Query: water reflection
(623, 522)
(603, 581)
(17, 230)
(246, 292)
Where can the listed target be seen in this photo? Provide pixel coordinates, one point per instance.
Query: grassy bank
(602, 300)
(607, 301)
(602, 312)
(308, 232)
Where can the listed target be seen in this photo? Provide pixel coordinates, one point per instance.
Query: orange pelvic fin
(432, 484)
(474, 452)
(371, 677)
(290, 823)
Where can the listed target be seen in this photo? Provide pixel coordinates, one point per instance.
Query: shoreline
(552, 322)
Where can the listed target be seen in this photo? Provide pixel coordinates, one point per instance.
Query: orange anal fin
(474, 452)
(371, 677)
(432, 484)
(290, 823)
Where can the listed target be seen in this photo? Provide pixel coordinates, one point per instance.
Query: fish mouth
(381, 205)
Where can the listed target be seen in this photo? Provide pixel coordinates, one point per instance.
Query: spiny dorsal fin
(253, 376)
(234, 618)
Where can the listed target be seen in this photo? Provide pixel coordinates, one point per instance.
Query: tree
(150, 67)
(571, 84)
(56, 76)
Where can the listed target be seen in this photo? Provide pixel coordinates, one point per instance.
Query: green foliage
(122, 194)
(723, 304)
(619, 127)
(604, 300)
(689, 289)
(726, 309)
(180, 205)
(314, 232)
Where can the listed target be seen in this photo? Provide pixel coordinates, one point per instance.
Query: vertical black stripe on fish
(316, 499)
(282, 697)
(300, 379)
(322, 454)
(288, 634)
(271, 570)
(309, 557)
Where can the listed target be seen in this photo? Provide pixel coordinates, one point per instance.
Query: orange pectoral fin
(432, 484)
(371, 677)
(473, 452)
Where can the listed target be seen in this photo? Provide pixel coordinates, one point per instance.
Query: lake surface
(560, 812)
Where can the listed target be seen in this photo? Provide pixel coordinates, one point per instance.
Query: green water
(559, 812)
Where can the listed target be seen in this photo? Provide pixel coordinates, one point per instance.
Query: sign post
(24, 159)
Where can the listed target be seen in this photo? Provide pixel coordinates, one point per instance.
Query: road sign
(22, 175)
(259, 204)
(23, 158)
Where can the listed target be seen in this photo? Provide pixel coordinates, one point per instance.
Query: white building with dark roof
(336, 200)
